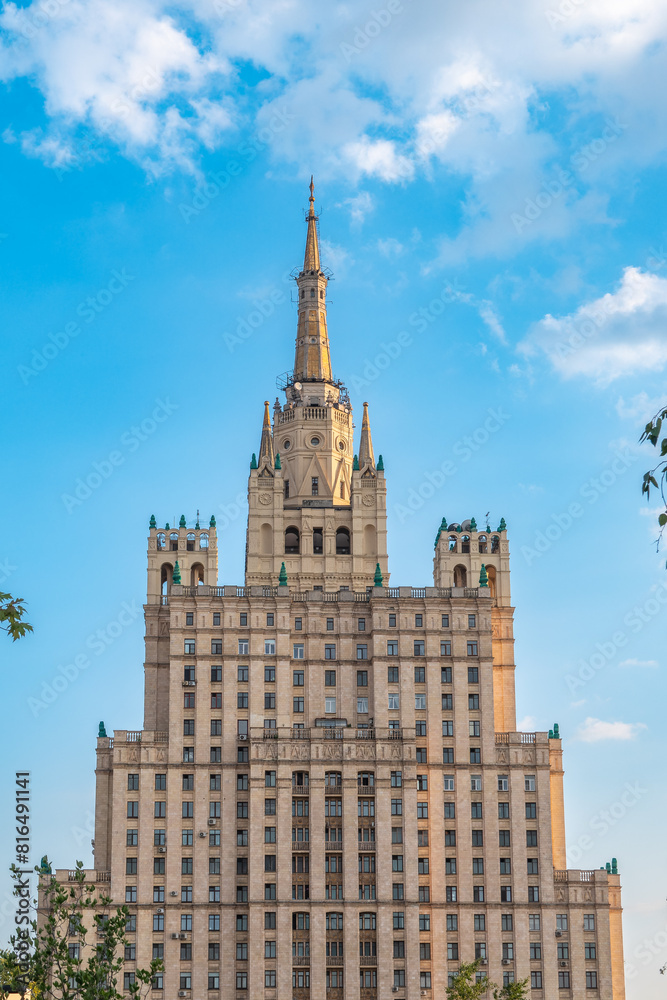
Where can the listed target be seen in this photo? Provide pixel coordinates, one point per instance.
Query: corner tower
(312, 503)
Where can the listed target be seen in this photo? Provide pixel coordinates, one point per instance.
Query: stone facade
(329, 798)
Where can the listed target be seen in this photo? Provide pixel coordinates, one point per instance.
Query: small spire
(101, 732)
(176, 578)
(366, 456)
(380, 465)
(377, 580)
(278, 465)
(253, 461)
(266, 444)
(311, 260)
(483, 577)
(355, 463)
(473, 524)
(282, 579)
(181, 523)
(502, 526)
(153, 522)
(211, 523)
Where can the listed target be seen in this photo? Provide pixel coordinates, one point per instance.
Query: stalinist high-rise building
(329, 799)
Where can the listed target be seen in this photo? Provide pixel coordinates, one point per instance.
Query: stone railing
(334, 596)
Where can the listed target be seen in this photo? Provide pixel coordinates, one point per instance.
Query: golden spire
(366, 456)
(266, 444)
(311, 260)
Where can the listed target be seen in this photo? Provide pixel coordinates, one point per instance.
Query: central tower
(313, 503)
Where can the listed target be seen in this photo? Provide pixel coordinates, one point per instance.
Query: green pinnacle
(377, 580)
(253, 461)
(153, 522)
(355, 463)
(212, 521)
(483, 577)
(278, 465)
(282, 579)
(102, 731)
(380, 465)
(176, 578)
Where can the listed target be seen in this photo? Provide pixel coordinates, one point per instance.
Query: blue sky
(490, 187)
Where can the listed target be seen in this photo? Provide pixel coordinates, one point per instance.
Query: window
(478, 894)
(505, 866)
(399, 949)
(448, 781)
(298, 651)
(314, 482)
(591, 980)
(536, 980)
(129, 980)
(563, 980)
(589, 921)
(420, 702)
(396, 862)
(531, 810)
(445, 675)
(506, 924)
(450, 810)
(476, 810)
(422, 810)
(298, 705)
(270, 676)
(452, 950)
(242, 699)
(330, 675)
(399, 977)
(478, 866)
(473, 728)
(473, 675)
(503, 838)
(425, 977)
(418, 647)
(131, 866)
(188, 673)
(298, 624)
(535, 951)
(158, 921)
(479, 922)
(393, 701)
(270, 950)
(446, 648)
(362, 651)
(447, 702)
(450, 866)
(330, 705)
(447, 727)
(420, 675)
(362, 678)
(269, 921)
(503, 810)
(188, 699)
(244, 647)
(531, 838)
(445, 621)
(397, 890)
(132, 838)
(158, 894)
(473, 702)
(533, 921)
(506, 894)
(450, 893)
(397, 807)
(478, 838)
(269, 647)
(160, 810)
(361, 624)
(532, 864)
(533, 893)
(241, 980)
(133, 782)
(450, 838)
(216, 674)
(216, 617)
(189, 647)
(362, 706)
(529, 782)
(132, 810)
(392, 675)
(561, 921)
(392, 649)
(472, 649)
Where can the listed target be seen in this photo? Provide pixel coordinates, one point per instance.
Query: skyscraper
(329, 798)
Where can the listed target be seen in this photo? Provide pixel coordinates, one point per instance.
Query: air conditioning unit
(242, 736)
(506, 961)
(423, 993)
(162, 850)
(159, 911)
(182, 993)
(174, 937)
(173, 893)
(559, 933)
(202, 834)
(482, 961)
(563, 965)
(394, 989)
(211, 822)
(183, 937)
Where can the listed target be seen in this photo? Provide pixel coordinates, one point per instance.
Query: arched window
(203, 541)
(161, 540)
(318, 541)
(343, 542)
(300, 778)
(333, 779)
(366, 779)
(369, 540)
(265, 539)
(196, 575)
(173, 541)
(491, 573)
(495, 543)
(366, 921)
(465, 543)
(190, 541)
(312, 293)
(452, 542)
(460, 576)
(291, 541)
(165, 578)
(481, 543)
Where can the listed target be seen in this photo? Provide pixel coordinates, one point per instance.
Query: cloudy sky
(490, 181)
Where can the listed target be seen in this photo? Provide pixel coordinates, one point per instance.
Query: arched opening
(266, 539)
(491, 573)
(203, 541)
(343, 542)
(452, 542)
(197, 575)
(292, 541)
(161, 541)
(173, 541)
(465, 543)
(166, 574)
(482, 543)
(369, 540)
(318, 541)
(190, 541)
(495, 543)
(460, 576)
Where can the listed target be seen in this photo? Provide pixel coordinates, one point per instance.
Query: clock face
(368, 500)
(265, 498)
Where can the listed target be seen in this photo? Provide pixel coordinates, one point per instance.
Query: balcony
(343, 733)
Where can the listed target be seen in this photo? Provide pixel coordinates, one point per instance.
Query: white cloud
(527, 725)
(390, 247)
(620, 333)
(639, 408)
(638, 663)
(379, 158)
(595, 730)
(359, 207)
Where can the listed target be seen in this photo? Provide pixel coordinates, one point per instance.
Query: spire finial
(311, 213)
(311, 260)
(266, 444)
(366, 456)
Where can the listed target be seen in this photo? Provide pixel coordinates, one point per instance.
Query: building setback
(329, 798)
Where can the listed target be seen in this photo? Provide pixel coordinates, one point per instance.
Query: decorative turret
(282, 578)
(483, 577)
(366, 457)
(266, 445)
(182, 523)
(176, 578)
(377, 580)
(153, 522)
(312, 360)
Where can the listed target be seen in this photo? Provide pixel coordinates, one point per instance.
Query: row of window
(330, 623)
(299, 649)
(334, 979)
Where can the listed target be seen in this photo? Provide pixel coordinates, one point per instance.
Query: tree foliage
(75, 914)
(12, 615)
(513, 991)
(656, 478)
(465, 986)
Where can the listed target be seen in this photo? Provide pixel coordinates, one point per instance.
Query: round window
(341, 445)
(315, 441)
(287, 445)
